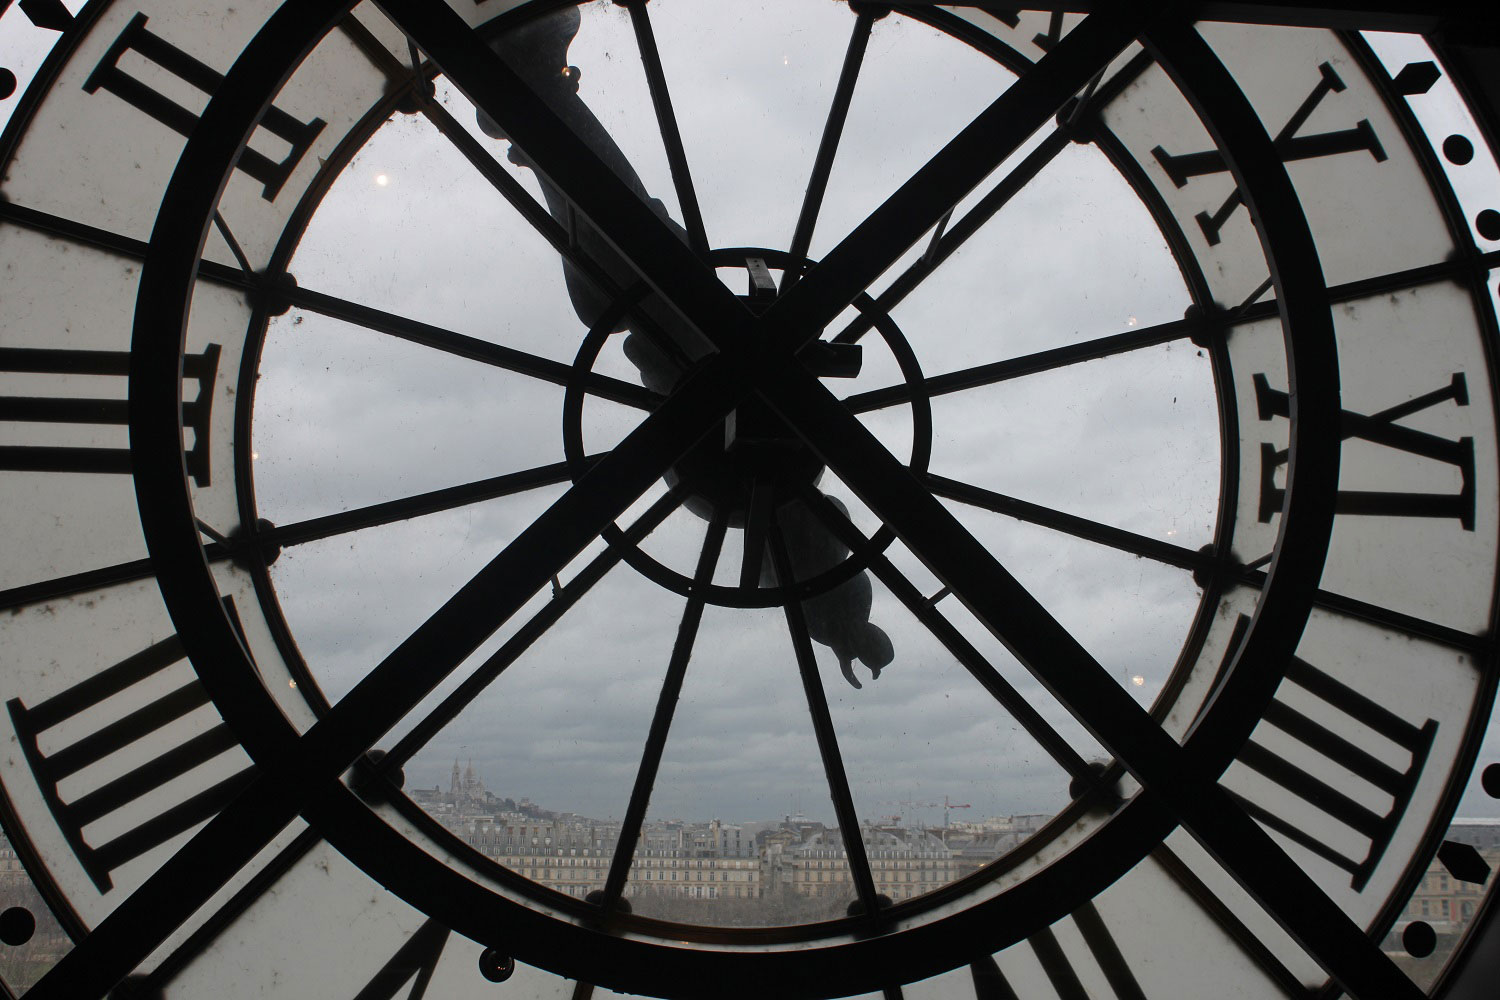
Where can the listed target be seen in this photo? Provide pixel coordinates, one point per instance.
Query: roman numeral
(47, 14)
(413, 963)
(1381, 428)
(990, 982)
(1357, 713)
(1289, 146)
(203, 368)
(116, 685)
(143, 42)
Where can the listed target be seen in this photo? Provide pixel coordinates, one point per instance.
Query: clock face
(933, 502)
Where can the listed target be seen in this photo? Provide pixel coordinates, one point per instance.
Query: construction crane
(946, 804)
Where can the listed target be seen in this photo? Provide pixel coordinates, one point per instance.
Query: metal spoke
(644, 241)
(472, 348)
(949, 176)
(1031, 364)
(313, 529)
(828, 145)
(110, 242)
(562, 601)
(1079, 527)
(661, 721)
(943, 630)
(563, 238)
(828, 744)
(300, 532)
(666, 120)
(77, 583)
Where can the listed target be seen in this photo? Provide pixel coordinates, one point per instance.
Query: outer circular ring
(572, 947)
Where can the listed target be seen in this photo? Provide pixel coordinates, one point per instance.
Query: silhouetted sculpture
(537, 51)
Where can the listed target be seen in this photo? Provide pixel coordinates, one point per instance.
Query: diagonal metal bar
(828, 145)
(661, 721)
(946, 242)
(972, 155)
(472, 348)
(1185, 781)
(312, 529)
(828, 744)
(211, 929)
(564, 160)
(671, 136)
(952, 639)
(949, 242)
(562, 238)
(562, 602)
(957, 169)
(1031, 364)
(1079, 527)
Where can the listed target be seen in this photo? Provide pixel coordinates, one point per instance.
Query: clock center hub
(753, 449)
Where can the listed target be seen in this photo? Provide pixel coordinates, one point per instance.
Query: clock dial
(700, 508)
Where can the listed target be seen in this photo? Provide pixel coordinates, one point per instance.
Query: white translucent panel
(336, 84)
(371, 931)
(92, 157)
(1029, 32)
(346, 417)
(1236, 901)
(1429, 691)
(1365, 196)
(1462, 153)
(77, 301)
(73, 642)
(1152, 113)
(1370, 208)
(1415, 532)
(1103, 270)
(352, 597)
(1130, 441)
(212, 387)
(1396, 350)
(24, 47)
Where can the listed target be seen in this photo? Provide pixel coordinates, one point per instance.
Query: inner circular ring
(705, 481)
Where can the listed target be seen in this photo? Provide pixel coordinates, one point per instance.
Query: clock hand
(537, 51)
